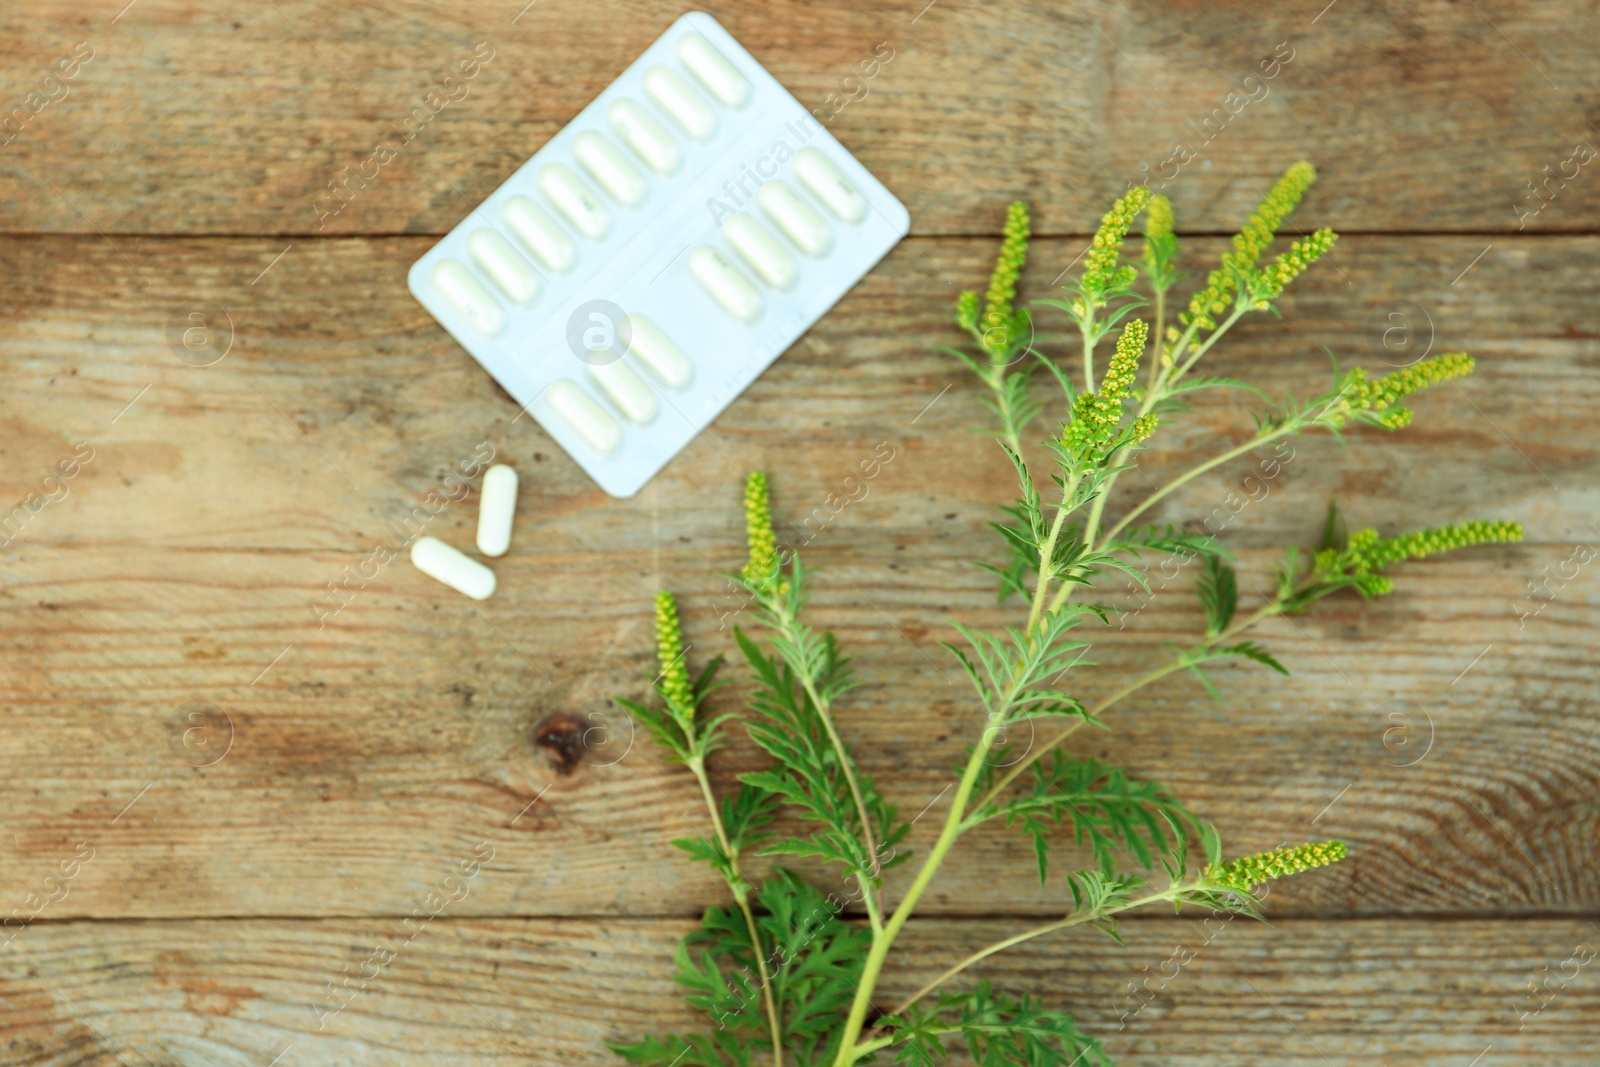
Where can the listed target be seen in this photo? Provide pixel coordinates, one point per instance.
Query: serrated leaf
(1122, 820)
(998, 1030)
(1218, 588)
(1251, 650)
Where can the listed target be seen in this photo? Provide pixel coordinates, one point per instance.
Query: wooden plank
(1437, 117)
(187, 561)
(507, 991)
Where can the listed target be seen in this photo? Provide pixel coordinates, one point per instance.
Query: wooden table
(228, 870)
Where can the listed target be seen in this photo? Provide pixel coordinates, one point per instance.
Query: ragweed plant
(782, 975)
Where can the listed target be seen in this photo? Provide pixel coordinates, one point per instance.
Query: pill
(610, 168)
(660, 356)
(574, 200)
(724, 282)
(626, 389)
(713, 70)
(769, 259)
(497, 506)
(438, 560)
(539, 232)
(830, 185)
(687, 107)
(797, 219)
(579, 410)
(514, 275)
(468, 296)
(647, 137)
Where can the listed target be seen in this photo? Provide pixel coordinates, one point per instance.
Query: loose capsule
(574, 200)
(660, 356)
(762, 251)
(438, 560)
(543, 236)
(687, 108)
(713, 70)
(829, 183)
(514, 275)
(647, 137)
(591, 421)
(468, 296)
(797, 219)
(725, 284)
(497, 506)
(609, 167)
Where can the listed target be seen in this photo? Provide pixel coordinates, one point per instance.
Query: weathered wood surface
(1406, 993)
(234, 872)
(234, 118)
(187, 561)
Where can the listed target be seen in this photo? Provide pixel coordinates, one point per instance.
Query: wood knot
(565, 737)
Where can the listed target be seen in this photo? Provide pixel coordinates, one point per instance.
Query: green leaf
(1120, 819)
(1218, 587)
(1251, 650)
(1167, 539)
(1335, 535)
(816, 964)
(998, 1030)
(806, 772)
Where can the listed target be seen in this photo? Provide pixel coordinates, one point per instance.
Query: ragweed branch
(780, 973)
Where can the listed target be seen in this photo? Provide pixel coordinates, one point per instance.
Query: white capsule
(468, 296)
(713, 70)
(656, 351)
(514, 275)
(687, 107)
(626, 389)
(647, 137)
(574, 200)
(580, 411)
(725, 284)
(438, 560)
(497, 506)
(761, 250)
(796, 218)
(609, 167)
(830, 185)
(539, 232)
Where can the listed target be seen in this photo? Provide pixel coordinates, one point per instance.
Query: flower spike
(674, 680)
(999, 318)
(762, 568)
(1382, 396)
(1248, 245)
(1100, 272)
(1096, 416)
(1250, 871)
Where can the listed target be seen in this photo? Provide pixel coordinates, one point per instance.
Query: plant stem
(1038, 931)
(1047, 552)
(787, 626)
(1287, 427)
(1272, 607)
(1034, 754)
(848, 1052)
(1238, 313)
(953, 823)
(1088, 351)
(742, 898)
(847, 765)
(1161, 322)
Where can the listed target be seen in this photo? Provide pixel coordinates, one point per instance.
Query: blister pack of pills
(635, 275)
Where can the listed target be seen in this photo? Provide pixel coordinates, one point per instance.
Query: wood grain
(187, 561)
(508, 991)
(235, 118)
